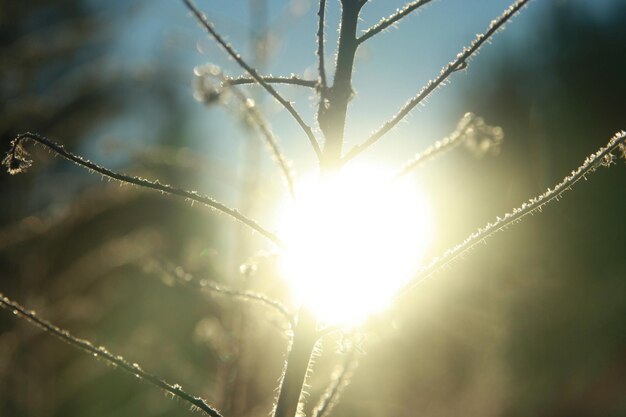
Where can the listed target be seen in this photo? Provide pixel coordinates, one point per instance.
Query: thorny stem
(388, 21)
(103, 353)
(255, 117)
(297, 365)
(460, 62)
(331, 118)
(292, 80)
(443, 145)
(602, 157)
(340, 380)
(332, 112)
(190, 195)
(186, 279)
(320, 48)
(270, 139)
(202, 19)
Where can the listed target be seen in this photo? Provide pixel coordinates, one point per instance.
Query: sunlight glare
(352, 241)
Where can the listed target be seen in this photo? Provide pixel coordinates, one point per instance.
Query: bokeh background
(532, 323)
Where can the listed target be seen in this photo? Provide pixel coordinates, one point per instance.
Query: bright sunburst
(352, 241)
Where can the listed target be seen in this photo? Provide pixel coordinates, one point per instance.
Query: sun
(352, 240)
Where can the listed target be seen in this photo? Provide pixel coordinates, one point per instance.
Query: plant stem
(332, 111)
(297, 365)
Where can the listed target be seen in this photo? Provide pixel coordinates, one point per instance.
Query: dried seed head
(208, 86)
(16, 161)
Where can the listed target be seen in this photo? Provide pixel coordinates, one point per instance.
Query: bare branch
(471, 130)
(441, 146)
(460, 62)
(206, 285)
(340, 380)
(603, 157)
(103, 353)
(320, 47)
(388, 21)
(259, 121)
(16, 161)
(208, 93)
(202, 19)
(291, 80)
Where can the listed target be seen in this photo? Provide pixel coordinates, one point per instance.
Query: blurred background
(532, 323)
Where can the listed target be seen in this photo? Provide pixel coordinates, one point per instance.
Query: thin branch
(390, 20)
(291, 80)
(320, 48)
(270, 139)
(443, 145)
(206, 285)
(455, 65)
(103, 353)
(208, 93)
(202, 19)
(603, 157)
(16, 161)
(340, 380)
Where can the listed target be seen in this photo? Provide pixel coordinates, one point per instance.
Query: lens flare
(352, 240)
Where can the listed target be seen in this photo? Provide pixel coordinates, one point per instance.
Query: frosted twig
(458, 63)
(16, 161)
(602, 157)
(442, 145)
(102, 352)
(270, 139)
(340, 380)
(291, 80)
(390, 20)
(202, 19)
(320, 47)
(254, 116)
(206, 285)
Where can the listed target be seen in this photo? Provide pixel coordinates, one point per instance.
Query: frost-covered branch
(16, 161)
(320, 47)
(460, 62)
(390, 20)
(466, 131)
(603, 157)
(205, 285)
(290, 80)
(208, 93)
(104, 354)
(202, 19)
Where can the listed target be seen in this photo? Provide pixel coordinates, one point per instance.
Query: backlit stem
(297, 365)
(334, 104)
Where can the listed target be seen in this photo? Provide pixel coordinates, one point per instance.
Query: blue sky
(390, 68)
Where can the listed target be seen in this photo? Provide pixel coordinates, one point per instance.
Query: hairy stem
(16, 157)
(291, 80)
(202, 19)
(320, 46)
(186, 279)
(391, 20)
(297, 365)
(602, 157)
(340, 380)
(115, 360)
(332, 112)
(460, 62)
